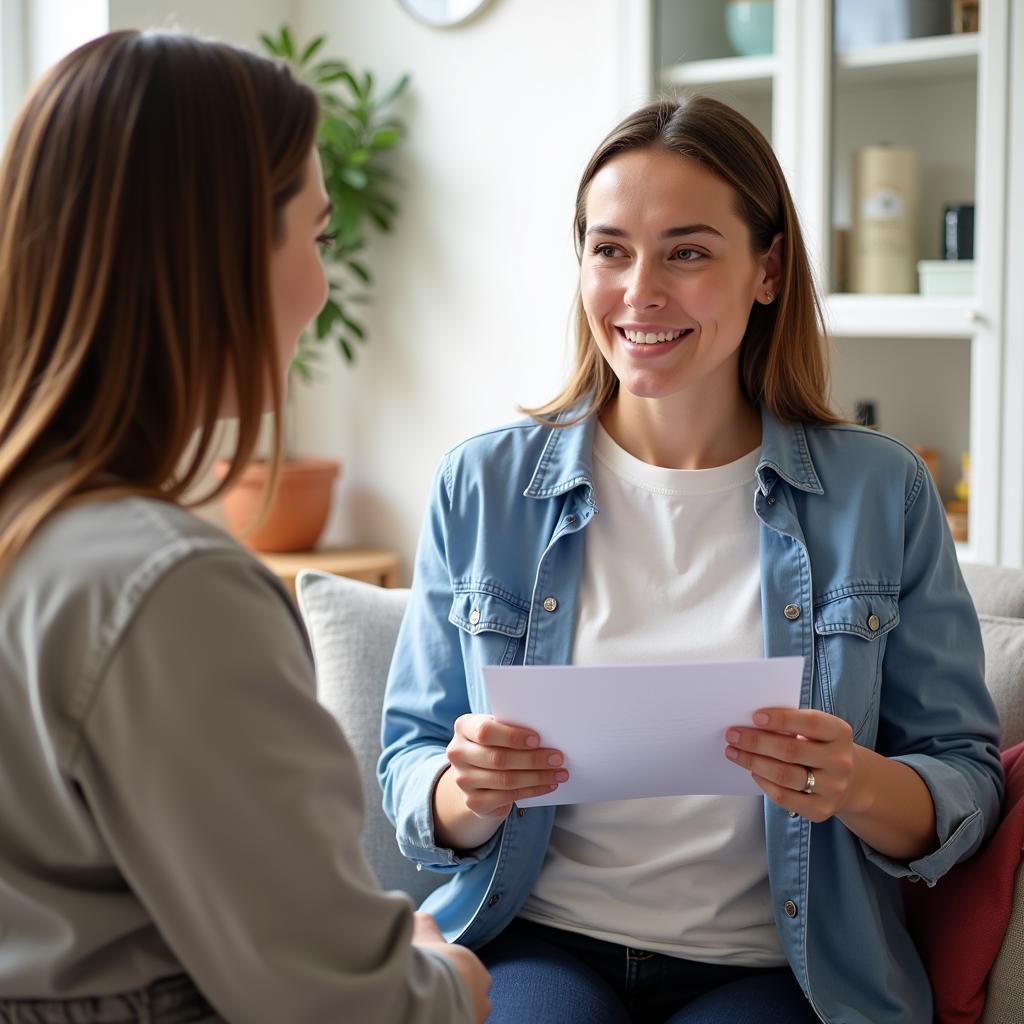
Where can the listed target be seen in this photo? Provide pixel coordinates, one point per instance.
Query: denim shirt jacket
(858, 574)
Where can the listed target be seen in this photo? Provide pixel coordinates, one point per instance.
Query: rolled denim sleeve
(936, 714)
(426, 693)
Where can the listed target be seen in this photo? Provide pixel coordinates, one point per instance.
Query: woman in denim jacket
(690, 495)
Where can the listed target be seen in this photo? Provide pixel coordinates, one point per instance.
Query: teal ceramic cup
(750, 24)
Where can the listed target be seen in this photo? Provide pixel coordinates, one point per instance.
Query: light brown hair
(140, 196)
(782, 355)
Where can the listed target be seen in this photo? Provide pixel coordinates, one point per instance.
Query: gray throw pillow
(353, 627)
(1004, 673)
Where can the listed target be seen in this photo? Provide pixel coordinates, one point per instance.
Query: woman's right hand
(473, 973)
(492, 766)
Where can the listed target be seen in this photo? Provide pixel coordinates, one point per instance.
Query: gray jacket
(172, 797)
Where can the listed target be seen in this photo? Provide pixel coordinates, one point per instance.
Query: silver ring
(809, 785)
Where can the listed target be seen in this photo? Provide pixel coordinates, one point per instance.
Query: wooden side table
(372, 565)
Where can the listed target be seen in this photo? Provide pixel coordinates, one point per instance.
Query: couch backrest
(999, 597)
(353, 627)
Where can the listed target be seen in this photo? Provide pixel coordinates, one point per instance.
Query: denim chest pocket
(849, 644)
(496, 622)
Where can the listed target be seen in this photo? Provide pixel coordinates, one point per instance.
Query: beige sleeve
(231, 802)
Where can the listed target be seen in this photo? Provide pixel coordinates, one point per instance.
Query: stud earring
(769, 295)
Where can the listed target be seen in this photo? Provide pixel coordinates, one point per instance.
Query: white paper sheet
(642, 730)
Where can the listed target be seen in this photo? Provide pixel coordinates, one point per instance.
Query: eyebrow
(685, 229)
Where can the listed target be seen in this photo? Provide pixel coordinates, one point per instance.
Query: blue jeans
(173, 1000)
(549, 976)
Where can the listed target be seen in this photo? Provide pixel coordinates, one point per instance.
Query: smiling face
(668, 277)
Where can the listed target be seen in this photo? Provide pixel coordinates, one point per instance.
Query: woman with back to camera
(179, 818)
(691, 496)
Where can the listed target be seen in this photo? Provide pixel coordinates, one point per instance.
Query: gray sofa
(353, 627)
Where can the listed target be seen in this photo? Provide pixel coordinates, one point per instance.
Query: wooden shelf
(371, 565)
(899, 316)
(742, 75)
(910, 60)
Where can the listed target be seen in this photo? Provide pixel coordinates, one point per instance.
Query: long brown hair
(782, 355)
(140, 197)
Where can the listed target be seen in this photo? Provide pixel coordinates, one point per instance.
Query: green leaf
(287, 43)
(396, 90)
(383, 174)
(385, 138)
(355, 177)
(338, 135)
(355, 328)
(381, 203)
(349, 219)
(327, 78)
(327, 318)
(302, 370)
(313, 46)
(346, 351)
(351, 82)
(360, 271)
(328, 71)
(270, 44)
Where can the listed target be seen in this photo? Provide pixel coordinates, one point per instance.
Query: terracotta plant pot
(298, 513)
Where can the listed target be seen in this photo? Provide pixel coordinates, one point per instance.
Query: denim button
(494, 900)
(474, 616)
(569, 520)
(550, 604)
(790, 908)
(520, 812)
(791, 611)
(771, 500)
(794, 814)
(873, 622)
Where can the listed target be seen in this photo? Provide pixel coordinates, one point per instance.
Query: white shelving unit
(900, 316)
(941, 364)
(911, 60)
(744, 74)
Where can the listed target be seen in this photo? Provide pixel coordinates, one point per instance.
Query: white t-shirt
(671, 573)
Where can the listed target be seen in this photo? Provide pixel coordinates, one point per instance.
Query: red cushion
(959, 924)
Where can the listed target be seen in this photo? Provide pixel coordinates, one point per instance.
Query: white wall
(234, 21)
(475, 287)
(54, 28)
(35, 34)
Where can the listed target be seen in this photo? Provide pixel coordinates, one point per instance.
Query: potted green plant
(357, 129)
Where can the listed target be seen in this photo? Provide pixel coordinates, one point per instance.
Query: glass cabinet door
(912, 353)
(903, 147)
(719, 48)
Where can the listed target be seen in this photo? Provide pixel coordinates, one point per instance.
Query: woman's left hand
(790, 751)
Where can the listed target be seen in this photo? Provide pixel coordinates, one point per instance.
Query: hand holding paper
(642, 730)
